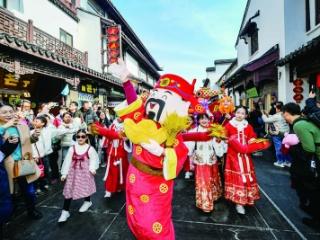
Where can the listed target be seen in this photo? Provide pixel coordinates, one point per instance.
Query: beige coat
(25, 142)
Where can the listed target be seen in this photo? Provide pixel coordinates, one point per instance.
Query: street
(268, 219)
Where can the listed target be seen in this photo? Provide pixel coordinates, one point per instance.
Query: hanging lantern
(298, 98)
(298, 90)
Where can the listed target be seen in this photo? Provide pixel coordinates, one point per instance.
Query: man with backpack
(305, 165)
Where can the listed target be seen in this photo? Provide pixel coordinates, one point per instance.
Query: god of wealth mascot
(155, 126)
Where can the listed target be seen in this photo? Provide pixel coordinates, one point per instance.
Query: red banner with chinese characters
(114, 43)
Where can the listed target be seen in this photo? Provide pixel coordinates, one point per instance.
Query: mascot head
(226, 105)
(171, 94)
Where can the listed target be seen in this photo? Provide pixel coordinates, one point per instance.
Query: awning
(261, 69)
(270, 56)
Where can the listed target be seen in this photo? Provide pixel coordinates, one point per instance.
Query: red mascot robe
(148, 193)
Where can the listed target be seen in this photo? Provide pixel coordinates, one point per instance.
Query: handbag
(24, 168)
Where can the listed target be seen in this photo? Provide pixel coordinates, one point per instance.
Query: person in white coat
(71, 126)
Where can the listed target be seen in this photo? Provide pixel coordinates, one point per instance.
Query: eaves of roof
(34, 50)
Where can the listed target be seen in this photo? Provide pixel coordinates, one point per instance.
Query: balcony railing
(27, 32)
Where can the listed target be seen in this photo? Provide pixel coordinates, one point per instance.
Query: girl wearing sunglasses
(78, 170)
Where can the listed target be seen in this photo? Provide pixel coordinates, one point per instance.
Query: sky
(185, 36)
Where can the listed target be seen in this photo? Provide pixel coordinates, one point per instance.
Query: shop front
(304, 68)
(256, 82)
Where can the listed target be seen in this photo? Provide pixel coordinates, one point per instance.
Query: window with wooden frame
(317, 11)
(254, 42)
(66, 37)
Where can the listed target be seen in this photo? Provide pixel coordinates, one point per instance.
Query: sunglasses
(81, 136)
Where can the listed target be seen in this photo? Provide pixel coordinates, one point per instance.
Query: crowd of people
(69, 144)
(52, 138)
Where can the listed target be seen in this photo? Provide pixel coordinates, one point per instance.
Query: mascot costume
(155, 126)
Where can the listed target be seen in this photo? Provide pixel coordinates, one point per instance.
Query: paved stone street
(106, 219)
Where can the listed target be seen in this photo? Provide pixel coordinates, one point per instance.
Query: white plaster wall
(90, 39)
(46, 16)
(214, 76)
(295, 27)
(132, 64)
(271, 29)
(211, 75)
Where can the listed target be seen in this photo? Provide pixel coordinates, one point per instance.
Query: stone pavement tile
(192, 231)
(100, 204)
(287, 235)
(119, 230)
(184, 209)
(312, 236)
(278, 188)
(270, 215)
(79, 226)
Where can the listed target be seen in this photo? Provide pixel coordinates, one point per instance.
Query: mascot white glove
(153, 147)
(120, 70)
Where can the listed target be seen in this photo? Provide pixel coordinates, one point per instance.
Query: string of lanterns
(298, 90)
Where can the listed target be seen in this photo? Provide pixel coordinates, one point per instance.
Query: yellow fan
(143, 131)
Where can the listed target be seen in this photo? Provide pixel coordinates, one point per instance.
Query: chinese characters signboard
(88, 88)
(10, 82)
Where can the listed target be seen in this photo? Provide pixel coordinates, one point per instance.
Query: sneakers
(64, 216)
(85, 206)
(287, 164)
(187, 175)
(107, 194)
(277, 164)
(240, 209)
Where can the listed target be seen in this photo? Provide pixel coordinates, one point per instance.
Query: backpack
(314, 118)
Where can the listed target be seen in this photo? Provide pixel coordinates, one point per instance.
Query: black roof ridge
(223, 61)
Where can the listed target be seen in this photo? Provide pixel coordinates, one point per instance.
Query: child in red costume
(240, 179)
(117, 161)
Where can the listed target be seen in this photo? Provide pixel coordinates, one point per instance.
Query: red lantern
(298, 98)
(298, 82)
(298, 89)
